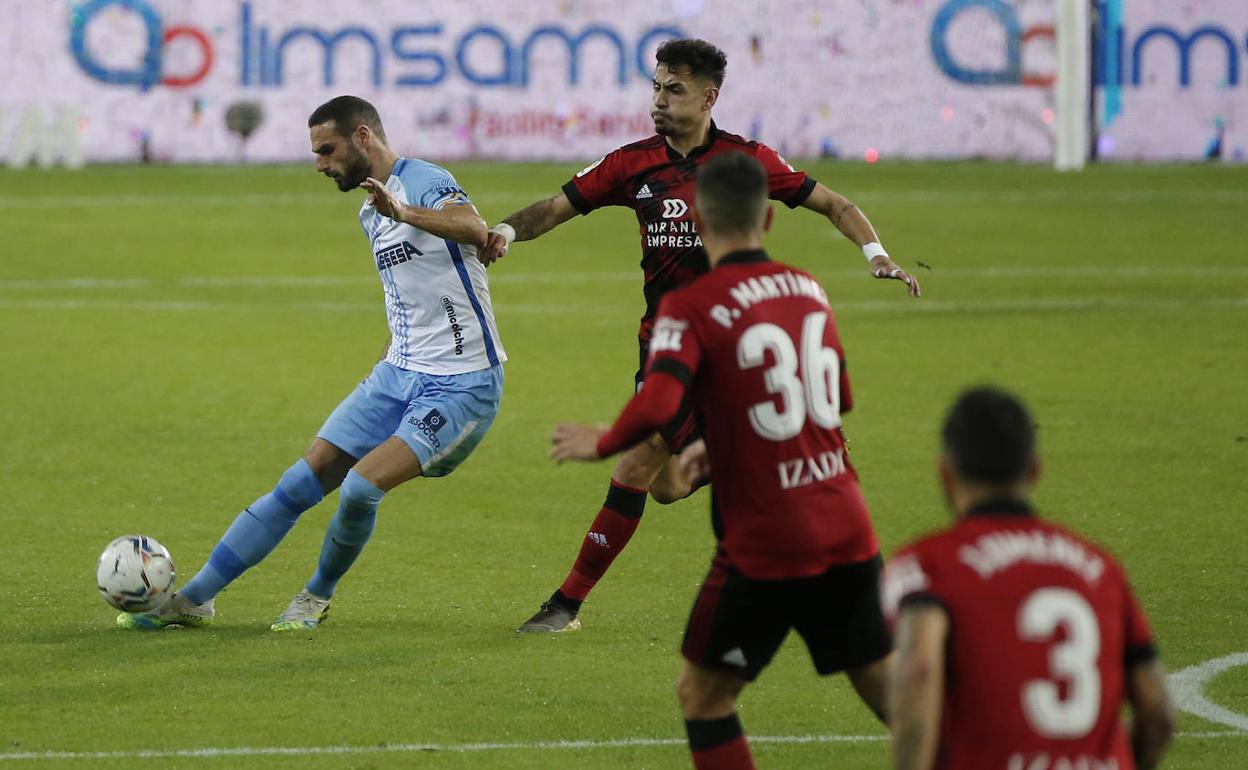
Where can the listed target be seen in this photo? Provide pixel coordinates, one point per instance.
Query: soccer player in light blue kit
(423, 408)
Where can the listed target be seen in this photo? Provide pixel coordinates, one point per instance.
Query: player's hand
(575, 442)
(884, 267)
(496, 243)
(695, 464)
(385, 201)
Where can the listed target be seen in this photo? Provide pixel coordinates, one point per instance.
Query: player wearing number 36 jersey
(754, 347)
(1018, 641)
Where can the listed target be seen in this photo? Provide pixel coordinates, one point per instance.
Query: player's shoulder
(731, 139)
(735, 142)
(1096, 549)
(649, 144)
(417, 169)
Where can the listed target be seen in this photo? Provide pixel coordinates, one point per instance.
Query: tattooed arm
(528, 223)
(849, 219)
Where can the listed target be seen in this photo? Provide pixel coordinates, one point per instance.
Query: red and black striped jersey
(1043, 628)
(658, 184)
(756, 344)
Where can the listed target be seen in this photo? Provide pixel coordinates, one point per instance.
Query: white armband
(872, 250)
(507, 231)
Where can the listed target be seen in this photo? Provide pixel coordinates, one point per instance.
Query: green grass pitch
(173, 337)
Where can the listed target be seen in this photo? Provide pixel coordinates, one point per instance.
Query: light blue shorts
(440, 417)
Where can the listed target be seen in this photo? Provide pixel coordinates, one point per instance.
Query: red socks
(613, 527)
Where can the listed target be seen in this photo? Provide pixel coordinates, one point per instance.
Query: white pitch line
(1188, 689)
(209, 752)
(502, 276)
(898, 308)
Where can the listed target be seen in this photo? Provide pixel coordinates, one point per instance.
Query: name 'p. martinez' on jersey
(658, 183)
(437, 295)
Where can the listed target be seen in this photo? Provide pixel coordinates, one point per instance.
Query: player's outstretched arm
(1152, 724)
(458, 222)
(655, 404)
(526, 224)
(854, 225)
(917, 686)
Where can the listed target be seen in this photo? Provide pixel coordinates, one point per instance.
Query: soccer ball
(135, 574)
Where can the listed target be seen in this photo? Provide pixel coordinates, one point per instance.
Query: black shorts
(683, 429)
(737, 624)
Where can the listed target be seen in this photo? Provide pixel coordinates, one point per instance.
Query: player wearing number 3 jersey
(754, 345)
(1017, 640)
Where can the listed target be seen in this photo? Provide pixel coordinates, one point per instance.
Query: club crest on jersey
(674, 208)
(396, 255)
(667, 334)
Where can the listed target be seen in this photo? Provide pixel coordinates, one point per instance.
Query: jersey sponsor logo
(804, 471)
(667, 335)
(644, 192)
(452, 318)
(998, 551)
(396, 255)
(435, 420)
(674, 208)
(673, 235)
(427, 427)
(590, 167)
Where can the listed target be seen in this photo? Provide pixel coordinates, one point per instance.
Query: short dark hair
(348, 113)
(989, 436)
(703, 59)
(731, 193)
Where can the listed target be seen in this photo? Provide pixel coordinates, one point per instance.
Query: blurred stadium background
(131, 80)
(182, 301)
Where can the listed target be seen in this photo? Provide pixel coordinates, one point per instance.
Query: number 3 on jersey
(814, 394)
(1072, 660)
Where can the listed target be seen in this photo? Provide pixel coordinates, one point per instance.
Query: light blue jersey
(437, 295)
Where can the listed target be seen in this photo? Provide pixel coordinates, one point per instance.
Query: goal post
(1073, 87)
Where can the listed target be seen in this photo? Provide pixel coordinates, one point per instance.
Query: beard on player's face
(354, 172)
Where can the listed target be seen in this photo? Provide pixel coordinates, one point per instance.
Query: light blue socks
(349, 530)
(256, 532)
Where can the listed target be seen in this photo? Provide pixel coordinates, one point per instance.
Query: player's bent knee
(706, 695)
(670, 485)
(358, 494)
(639, 466)
(329, 463)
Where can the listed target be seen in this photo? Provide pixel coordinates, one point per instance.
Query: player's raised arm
(854, 225)
(526, 224)
(917, 686)
(458, 222)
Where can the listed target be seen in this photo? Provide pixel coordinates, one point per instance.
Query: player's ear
(768, 218)
(1032, 474)
(712, 96)
(363, 135)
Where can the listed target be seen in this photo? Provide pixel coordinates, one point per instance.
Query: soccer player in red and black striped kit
(1018, 641)
(754, 347)
(655, 177)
